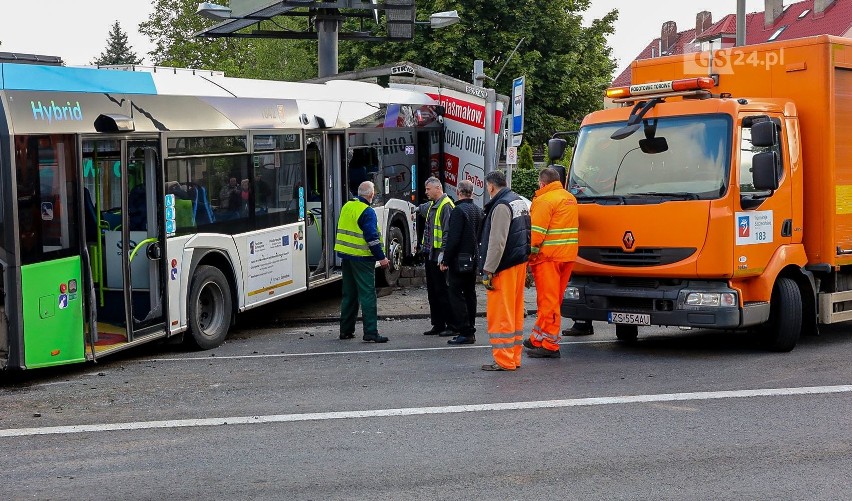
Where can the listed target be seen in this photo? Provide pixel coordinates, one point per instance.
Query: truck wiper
(578, 182)
(602, 199)
(679, 195)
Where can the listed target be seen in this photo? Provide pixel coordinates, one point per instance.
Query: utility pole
(490, 155)
(741, 23)
(328, 27)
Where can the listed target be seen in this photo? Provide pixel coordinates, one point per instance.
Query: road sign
(517, 110)
(477, 91)
(402, 70)
(512, 155)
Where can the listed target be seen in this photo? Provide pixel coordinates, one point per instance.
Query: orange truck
(718, 194)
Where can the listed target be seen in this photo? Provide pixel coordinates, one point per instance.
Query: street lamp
(441, 19)
(212, 11)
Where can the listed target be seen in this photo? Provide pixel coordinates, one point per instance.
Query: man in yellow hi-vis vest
(359, 245)
(437, 214)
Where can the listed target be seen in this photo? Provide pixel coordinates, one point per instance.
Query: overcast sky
(77, 31)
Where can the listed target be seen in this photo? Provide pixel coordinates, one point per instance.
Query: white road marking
(419, 411)
(352, 352)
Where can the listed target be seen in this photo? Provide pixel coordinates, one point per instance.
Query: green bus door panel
(53, 313)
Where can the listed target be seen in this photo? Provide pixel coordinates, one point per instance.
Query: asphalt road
(295, 413)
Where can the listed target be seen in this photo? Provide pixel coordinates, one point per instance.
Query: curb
(334, 320)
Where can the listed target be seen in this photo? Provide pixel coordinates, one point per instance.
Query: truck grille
(643, 256)
(638, 304)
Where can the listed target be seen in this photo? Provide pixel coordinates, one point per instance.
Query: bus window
(102, 181)
(46, 176)
(209, 194)
(278, 185)
(399, 158)
(315, 185)
(365, 164)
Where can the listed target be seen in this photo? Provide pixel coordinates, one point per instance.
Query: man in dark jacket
(504, 250)
(461, 241)
(437, 214)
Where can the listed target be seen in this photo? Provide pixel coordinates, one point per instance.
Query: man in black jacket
(460, 250)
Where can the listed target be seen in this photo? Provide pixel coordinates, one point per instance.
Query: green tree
(525, 157)
(567, 66)
(117, 51)
(525, 176)
(172, 26)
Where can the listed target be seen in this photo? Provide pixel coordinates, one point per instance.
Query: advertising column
(464, 136)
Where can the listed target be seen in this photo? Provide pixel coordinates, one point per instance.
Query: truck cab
(710, 201)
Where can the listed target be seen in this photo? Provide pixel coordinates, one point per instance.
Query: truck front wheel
(626, 333)
(785, 316)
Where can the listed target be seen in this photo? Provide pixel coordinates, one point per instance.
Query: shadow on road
(703, 342)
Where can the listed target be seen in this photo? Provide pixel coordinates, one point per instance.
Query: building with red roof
(776, 22)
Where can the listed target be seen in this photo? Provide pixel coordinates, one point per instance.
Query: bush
(525, 182)
(525, 174)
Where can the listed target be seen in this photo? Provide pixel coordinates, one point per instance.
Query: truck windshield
(694, 166)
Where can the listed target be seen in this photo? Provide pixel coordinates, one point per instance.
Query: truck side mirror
(764, 171)
(764, 134)
(556, 148)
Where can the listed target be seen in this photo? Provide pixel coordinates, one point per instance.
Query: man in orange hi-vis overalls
(504, 248)
(554, 242)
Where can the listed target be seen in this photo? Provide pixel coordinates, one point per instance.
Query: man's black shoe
(528, 344)
(462, 340)
(447, 333)
(579, 329)
(346, 336)
(543, 353)
(433, 331)
(375, 338)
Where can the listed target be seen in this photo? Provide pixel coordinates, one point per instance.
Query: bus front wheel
(395, 252)
(210, 308)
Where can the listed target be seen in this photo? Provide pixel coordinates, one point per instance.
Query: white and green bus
(145, 204)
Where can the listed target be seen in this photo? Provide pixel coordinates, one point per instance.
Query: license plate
(629, 318)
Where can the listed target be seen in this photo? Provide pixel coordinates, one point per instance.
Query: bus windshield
(692, 164)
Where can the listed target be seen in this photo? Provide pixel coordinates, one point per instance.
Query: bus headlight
(572, 293)
(711, 299)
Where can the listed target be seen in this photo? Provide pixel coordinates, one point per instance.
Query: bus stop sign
(517, 111)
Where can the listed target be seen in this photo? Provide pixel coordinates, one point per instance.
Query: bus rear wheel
(210, 308)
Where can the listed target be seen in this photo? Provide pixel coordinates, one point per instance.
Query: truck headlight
(572, 293)
(711, 299)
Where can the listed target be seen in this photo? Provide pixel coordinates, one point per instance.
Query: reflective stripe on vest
(437, 230)
(350, 238)
(557, 236)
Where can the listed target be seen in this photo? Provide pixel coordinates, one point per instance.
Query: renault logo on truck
(627, 240)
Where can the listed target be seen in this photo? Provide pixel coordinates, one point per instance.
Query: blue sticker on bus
(65, 79)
